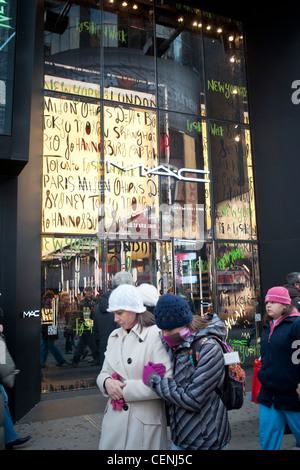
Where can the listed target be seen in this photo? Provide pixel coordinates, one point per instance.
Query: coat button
(125, 407)
(129, 360)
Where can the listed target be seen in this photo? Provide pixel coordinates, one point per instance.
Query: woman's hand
(114, 388)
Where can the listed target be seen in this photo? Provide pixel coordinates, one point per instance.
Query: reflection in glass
(72, 274)
(238, 296)
(71, 44)
(233, 186)
(72, 183)
(179, 58)
(131, 194)
(226, 85)
(193, 274)
(148, 262)
(129, 68)
(137, 148)
(183, 147)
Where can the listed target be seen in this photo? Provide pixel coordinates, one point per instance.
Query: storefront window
(72, 43)
(70, 266)
(131, 196)
(232, 180)
(193, 274)
(71, 167)
(7, 63)
(238, 296)
(183, 149)
(147, 168)
(226, 86)
(129, 66)
(179, 50)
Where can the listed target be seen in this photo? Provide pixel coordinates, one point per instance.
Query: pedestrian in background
(134, 418)
(149, 295)
(198, 417)
(292, 284)
(280, 370)
(8, 436)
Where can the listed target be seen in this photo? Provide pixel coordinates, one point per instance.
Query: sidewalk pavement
(72, 421)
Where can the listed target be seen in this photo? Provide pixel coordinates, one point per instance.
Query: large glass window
(128, 53)
(232, 181)
(238, 296)
(147, 168)
(179, 50)
(226, 86)
(7, 63)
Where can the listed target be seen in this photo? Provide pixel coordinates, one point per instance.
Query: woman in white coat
(134, 418)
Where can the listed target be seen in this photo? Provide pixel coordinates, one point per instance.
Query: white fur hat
(126, 297)
(149, 294)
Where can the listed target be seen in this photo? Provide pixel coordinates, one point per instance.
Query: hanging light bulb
(180, 19)
(134, 6)
(219, 30)
(231, 38)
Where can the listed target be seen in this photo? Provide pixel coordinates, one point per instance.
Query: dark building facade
(153, 137)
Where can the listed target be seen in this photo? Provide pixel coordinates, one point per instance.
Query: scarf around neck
(176, 339)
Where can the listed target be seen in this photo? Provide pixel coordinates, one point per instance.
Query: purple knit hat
(278, 294)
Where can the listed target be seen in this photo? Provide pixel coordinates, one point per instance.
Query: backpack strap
(197, 344)
(194, 354)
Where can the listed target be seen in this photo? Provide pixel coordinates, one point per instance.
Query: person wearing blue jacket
(279, 402)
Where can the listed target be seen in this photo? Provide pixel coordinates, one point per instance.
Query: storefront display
(147, 168)
(8, 14)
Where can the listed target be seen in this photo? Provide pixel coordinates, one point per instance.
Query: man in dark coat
(103, 320)
(292, 284)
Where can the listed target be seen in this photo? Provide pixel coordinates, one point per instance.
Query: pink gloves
(117, 404)
(151, 369)
(148, 371)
